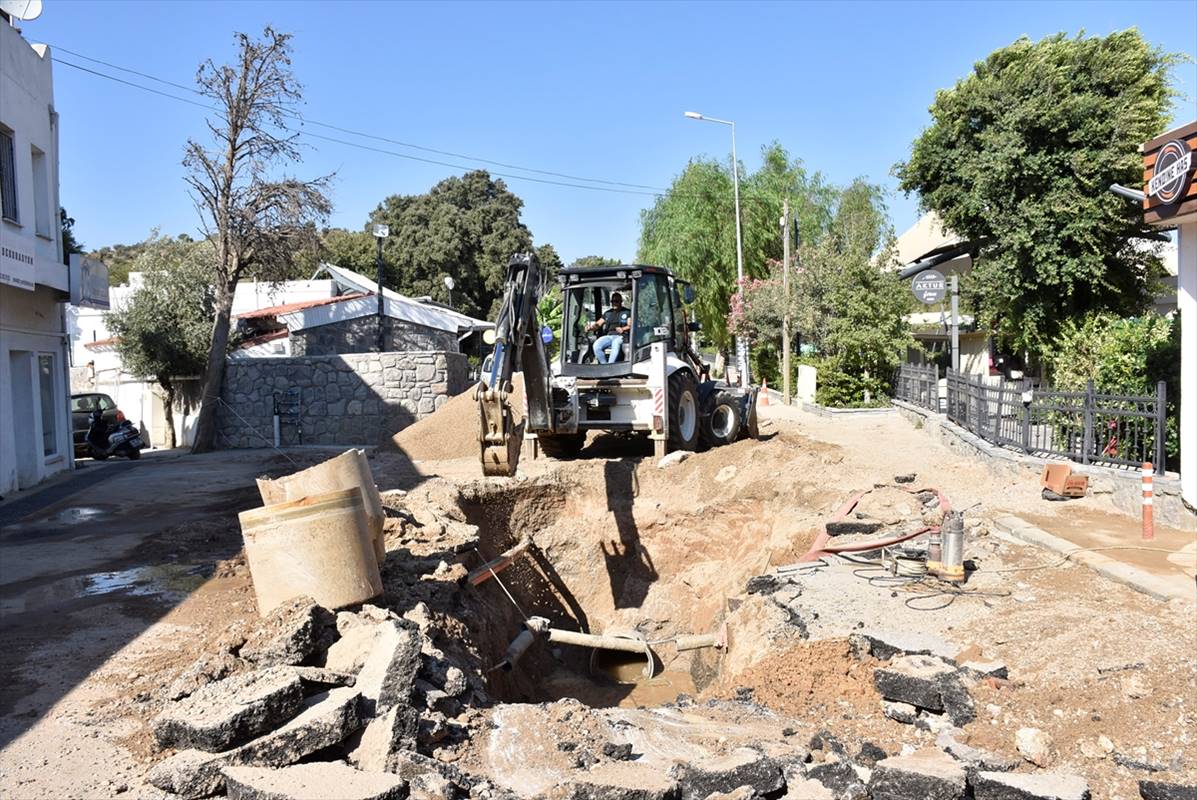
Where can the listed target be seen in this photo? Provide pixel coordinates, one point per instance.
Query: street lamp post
(449, 285)
(741, 345)
(380, 232)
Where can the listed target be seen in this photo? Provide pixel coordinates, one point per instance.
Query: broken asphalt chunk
(840, 778)
(926, 682)
(385, 738)
(919, 776)
(325, 721)
(1029, 786)
(389, 674)
(1158, 790)
(220, 715)
(315, 781)
(742, 767)
(290, 634)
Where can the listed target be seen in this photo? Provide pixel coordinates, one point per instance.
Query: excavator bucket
(500, 444)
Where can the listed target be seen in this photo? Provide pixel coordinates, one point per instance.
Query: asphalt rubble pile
(383, 702)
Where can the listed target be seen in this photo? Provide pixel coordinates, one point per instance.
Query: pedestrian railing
(1087, 426)
(918, 385)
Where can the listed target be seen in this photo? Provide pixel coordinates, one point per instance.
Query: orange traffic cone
(763, 400)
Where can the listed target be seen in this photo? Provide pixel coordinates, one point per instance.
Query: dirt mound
(452, 431)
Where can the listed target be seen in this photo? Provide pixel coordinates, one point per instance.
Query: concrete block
(919, 776)
(388, 676)
(325, 721)
(1029, 786)
(290, 634)
(1158, 790)
(226, 713)
(743, 767)
(315, 781)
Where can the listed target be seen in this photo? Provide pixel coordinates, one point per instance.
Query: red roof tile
(287, 308)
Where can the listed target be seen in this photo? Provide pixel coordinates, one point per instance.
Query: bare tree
(257, 222)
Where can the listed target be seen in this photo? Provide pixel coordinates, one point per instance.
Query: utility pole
(380, 232)
(955, 323)
(785, 293)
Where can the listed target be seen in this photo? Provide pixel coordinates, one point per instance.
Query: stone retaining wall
(350, 399)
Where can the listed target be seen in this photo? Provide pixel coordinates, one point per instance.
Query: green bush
(1126, 356)
(841, 388)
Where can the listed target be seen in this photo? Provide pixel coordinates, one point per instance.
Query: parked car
(81, 407)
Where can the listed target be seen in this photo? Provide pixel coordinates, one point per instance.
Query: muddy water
(170, 582)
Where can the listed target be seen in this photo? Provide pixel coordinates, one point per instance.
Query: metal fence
(1088, 426)
(918, 385)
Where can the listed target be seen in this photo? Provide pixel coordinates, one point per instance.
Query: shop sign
(1173, 168)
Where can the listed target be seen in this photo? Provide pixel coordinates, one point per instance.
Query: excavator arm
(518, 344)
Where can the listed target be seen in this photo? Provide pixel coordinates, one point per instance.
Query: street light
(380, 232)
(449, 285)
(741, 345)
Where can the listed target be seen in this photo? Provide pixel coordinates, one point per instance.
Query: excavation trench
(617, 548)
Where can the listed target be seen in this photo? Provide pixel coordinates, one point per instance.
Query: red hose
(820, 548)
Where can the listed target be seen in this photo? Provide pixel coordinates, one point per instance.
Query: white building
(1170, 201)
(35, 421)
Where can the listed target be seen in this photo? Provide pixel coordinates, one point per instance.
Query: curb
(1140, 580)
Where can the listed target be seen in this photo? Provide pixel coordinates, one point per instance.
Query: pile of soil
(452, 431)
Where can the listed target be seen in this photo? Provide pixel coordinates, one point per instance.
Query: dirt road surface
(109, 594)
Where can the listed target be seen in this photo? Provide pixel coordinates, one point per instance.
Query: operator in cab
(614, 325)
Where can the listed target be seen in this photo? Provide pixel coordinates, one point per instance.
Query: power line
(655, 190)
(360, 146)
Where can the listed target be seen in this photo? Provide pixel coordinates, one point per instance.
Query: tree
(464, 227)
(845, 299)
(70, 245)
(164, 328)
(692, 228)
(256, 224)
(596, 261)
(1020, 154)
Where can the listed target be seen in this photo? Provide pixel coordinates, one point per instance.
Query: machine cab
(610, 316)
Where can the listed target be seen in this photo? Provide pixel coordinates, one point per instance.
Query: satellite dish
(22, 9)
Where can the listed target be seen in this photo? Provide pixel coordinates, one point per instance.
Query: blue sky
(594, 90)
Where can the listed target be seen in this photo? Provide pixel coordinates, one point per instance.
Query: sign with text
(17, 263)
(1173, 167)
(929, 287)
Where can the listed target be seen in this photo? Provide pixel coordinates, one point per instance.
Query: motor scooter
(120, 440)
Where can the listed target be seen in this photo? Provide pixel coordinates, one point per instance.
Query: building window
(45, 373)
(8, 178)
(41, 195)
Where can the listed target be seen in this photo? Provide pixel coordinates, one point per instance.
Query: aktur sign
(929, 287)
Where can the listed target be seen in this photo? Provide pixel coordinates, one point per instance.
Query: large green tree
(466, 228)
(164, 328)
(1020, 154)
(692, 228)
(844, 299)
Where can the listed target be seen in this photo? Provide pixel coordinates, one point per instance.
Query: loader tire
(683, 411)
(561, 446)
(721, 420)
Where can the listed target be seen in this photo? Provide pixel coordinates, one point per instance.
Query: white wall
(31, 313)
(1186, 301)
